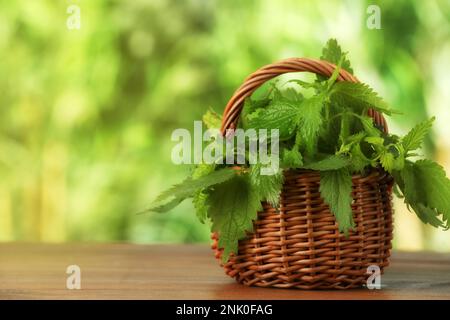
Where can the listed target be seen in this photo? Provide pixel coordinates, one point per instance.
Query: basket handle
(257, 78)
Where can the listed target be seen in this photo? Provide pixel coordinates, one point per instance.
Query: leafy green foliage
(212, 120)
(233, 208)
(358, 96)
(332, 52)
(332, 162)
(293, 95)
(329, 132)
(173, 196)
(292, 158)
(280, 114)
(200, 196)
(358, 160)
(427, 191)
(335, 189)
(268, 186)
(310, 121)
(250, 106)
(202, 170)
(369, 126)
(201, 207)
(392, 159)
(414, 138)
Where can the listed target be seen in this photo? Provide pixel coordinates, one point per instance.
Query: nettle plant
(329, 131)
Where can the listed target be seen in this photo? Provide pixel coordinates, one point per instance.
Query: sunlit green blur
(86, 114)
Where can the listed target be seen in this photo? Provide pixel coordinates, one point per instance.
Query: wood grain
(127, 271)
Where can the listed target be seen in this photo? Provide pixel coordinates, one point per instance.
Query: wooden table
(126, 271)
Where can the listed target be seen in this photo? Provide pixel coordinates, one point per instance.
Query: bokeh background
(86, 114)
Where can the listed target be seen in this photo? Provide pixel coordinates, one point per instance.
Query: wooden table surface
(126, 271)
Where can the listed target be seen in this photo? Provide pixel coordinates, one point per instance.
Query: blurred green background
(86, 114)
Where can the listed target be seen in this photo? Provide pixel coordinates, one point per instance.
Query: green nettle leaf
(212, 120)
(164, 206)
(310, 120)
(251, 106)
(268, 186)
(328, 142)
(203, 169)
(199, 200)
(200, 196)
(426, 190)
(356, 137)
(173, 196)
(233, 206)
(344, 132)
(291, 158)
(332, 53)
(376, 141)
(280, 114)
(307, 85)
(331, 162)
(336, 190)
(351, 140)
(335, 74)
(392, 157)
(358, 96)
(427, 215)
(414, 138)
(293, 95)
(369, 126)
(352, 147)
(398, 193)
(358, 160)
(387, 160)
(404, 188)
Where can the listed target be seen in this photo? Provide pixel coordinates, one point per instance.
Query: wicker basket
(300, 246)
